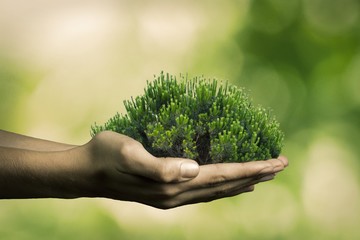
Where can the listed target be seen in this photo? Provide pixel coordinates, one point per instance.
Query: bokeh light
(67, 64)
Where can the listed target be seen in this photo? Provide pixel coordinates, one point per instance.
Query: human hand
(120, 168)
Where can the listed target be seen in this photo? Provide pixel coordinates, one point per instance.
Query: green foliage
(198, 119)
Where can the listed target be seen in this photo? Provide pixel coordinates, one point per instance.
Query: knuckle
(126, 151)
(220, 193)
(216, 180)
(167, 191)
(165, 177)
(166, 173)
(127, 148)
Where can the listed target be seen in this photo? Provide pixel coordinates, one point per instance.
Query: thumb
(138, 161)
(176, 169)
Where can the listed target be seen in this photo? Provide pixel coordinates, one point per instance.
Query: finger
(284, 160)
(233, 193)
(222, 191)
(140, 162)
(215, 174)
(177, 169)
(165, 191)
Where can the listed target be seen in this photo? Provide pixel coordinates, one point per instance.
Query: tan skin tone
(115, 166)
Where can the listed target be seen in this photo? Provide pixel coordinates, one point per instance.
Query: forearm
(36, 174)
(13, 140)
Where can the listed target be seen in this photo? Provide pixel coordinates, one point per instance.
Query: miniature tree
(200, 119)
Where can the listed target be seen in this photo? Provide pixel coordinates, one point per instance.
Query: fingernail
(284, 160)
(189, 170)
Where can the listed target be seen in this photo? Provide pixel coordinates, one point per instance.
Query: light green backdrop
(66, 64)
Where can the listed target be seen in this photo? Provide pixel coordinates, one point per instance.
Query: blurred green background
(66, 64)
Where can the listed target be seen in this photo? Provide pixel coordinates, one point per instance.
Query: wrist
(79, 172)
(59, 174)
(88, 172)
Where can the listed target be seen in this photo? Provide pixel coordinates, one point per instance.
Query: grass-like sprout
(198, 118)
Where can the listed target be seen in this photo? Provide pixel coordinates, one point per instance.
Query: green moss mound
(200, 119)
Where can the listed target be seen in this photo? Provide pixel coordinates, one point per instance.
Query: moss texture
(198, 118)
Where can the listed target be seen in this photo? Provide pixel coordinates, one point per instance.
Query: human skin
(115, 166)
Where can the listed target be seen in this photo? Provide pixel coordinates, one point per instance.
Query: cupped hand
(120, 168)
